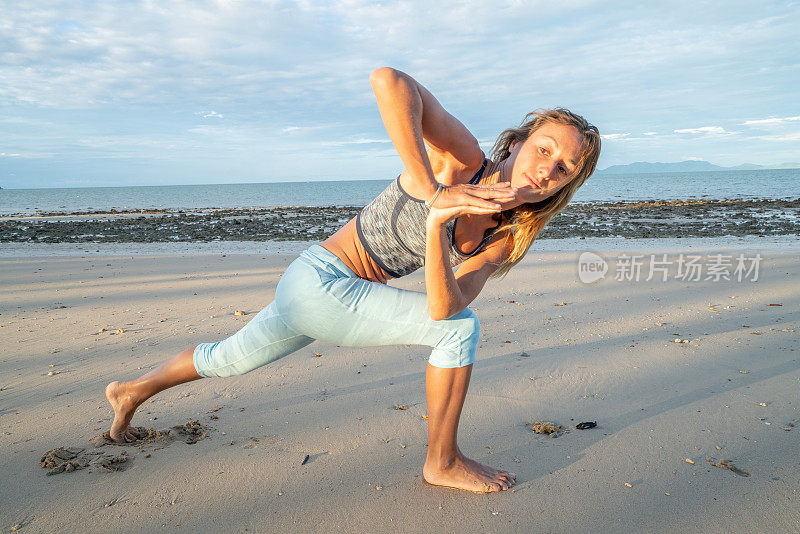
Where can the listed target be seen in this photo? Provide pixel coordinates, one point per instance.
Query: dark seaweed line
(630, 220)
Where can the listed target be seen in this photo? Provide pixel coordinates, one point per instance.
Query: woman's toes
(491, 488)
(506, 480)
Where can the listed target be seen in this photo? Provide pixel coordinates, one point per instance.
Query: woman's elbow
(436, 311)
(440, 313)
(389, 80)
(473, 154)
(436, 315)
(382, 75)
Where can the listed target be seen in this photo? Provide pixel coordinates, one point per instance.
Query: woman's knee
(459, 347)
(468, 323)
(264, 339)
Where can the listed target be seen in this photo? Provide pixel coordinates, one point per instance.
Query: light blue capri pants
(319, 297)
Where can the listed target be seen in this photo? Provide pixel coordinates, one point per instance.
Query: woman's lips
(534, 184)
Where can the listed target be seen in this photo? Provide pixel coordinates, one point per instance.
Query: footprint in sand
(70, 459)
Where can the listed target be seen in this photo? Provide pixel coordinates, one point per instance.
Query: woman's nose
(546, 170)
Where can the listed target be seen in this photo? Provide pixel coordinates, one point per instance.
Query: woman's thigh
(327, 305)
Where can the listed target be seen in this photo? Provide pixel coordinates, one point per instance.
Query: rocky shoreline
(641, 219)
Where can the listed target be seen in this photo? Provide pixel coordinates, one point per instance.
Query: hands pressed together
(462, 199)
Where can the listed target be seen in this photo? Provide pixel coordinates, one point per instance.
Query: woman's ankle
(441, 460)
(128, 392)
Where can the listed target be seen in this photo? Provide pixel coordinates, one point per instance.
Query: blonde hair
(526, 221)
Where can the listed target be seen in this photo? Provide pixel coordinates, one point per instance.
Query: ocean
(783, 183)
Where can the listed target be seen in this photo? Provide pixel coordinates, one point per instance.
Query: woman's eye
(562, 169)
(543, 150)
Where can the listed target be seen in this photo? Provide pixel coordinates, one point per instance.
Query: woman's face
(545, 162)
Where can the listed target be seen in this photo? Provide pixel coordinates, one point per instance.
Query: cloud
(614, 136)
(770, 121)
(292, 130)
(252, 52)
(28, 155)
(715, 130)
(360, 141)
(129, 77)
(795, 136)
(367, 141)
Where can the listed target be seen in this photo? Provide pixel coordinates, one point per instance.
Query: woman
(449, 199)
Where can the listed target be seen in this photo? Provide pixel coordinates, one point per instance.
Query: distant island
(641, 167)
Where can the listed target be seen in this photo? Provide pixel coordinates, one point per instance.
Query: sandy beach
(162, 164)
(684, 378)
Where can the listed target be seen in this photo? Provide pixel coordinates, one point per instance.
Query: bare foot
(124, 407)
(464, 473)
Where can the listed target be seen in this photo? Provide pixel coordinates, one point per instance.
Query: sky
(191, 92)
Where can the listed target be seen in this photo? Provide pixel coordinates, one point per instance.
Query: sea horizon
(715, 184)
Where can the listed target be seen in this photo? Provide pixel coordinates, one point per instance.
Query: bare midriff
(348, 247)
(469, 231)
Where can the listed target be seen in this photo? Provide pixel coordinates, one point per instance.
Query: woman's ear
(513, 145)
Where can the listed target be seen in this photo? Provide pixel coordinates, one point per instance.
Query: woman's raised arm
(413, 117)
(448, 293)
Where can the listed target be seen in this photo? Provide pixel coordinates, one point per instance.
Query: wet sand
(314, 442)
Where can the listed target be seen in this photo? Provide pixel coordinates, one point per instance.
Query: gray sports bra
(392, 230)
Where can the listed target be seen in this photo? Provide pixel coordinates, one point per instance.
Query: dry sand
(315, 444)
